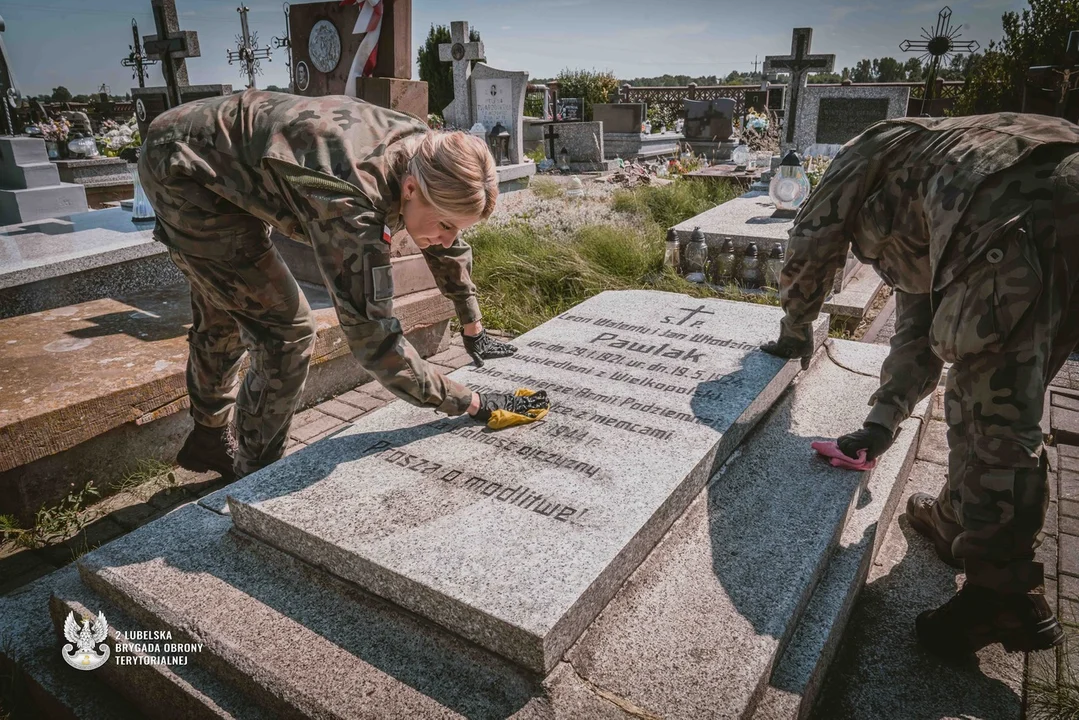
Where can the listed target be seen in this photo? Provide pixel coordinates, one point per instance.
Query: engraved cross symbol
(799, 64)
(699, 310)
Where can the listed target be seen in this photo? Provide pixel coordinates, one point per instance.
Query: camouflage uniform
(972, 221)
(324, 171)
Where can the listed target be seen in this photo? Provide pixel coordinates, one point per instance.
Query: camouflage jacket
(327, 171)
(895, 196)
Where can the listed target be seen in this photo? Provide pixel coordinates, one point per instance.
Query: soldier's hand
(500, 410)
(788, 347)
(484, 347)
(873, 438)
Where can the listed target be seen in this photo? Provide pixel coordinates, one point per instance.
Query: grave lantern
(563, 160)
(499, 142)
(696, 257)
(790, 187)
(671, 250)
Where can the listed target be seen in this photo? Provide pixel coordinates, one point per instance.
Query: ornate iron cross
(1061, 80)
(938, 46)
(248, 50)
(137, 58)
(286, 42)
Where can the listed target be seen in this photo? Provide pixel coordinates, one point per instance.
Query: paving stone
(377, 391)
(1068, 402)
(1068, 612)
(557, 494)
(1069, 485)
(1046, 553)
(1069, 555)
(934, 445)
(455, 357)
(1069, 508)
(1052, 594)
(304, 418)
(1052, 514)
(341, 411)
(1069, 587)
(1068, 525)
(360, 400)
(1066, 424)
(316, 428)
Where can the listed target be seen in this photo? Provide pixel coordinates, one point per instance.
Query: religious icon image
(324, 46)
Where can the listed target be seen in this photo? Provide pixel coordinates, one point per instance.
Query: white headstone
(498, 96)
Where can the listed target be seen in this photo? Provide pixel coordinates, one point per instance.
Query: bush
(590, 86)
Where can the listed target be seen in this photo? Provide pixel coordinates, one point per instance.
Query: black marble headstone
(842, 119)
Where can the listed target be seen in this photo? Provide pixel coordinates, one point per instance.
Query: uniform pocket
(265, 282)
(981, 309)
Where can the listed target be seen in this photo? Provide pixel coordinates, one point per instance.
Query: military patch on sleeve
(382, 283)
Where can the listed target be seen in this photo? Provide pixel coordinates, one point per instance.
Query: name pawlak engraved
(617, 342)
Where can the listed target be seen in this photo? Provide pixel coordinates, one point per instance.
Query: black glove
(517, 404)
(873, 437)
(484, 347)
(788, 347)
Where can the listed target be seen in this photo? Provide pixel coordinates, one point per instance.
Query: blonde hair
(455, 173)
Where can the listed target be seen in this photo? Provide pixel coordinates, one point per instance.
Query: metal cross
(461, 53)
(248, 50)
(286, 42)
(937, 47)
(9, 89)
(1060, 80)
(172, 46)
(799, 64)
(137, 58)
(550, 136)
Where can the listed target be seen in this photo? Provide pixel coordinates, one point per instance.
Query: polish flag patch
(386, 234)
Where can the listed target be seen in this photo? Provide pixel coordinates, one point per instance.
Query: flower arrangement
(815, 167)
(435, 121)
(57, 130)
(759, 132)
(115, 137)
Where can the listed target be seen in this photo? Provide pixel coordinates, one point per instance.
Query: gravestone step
(698, 629)
(516, 540)
(180, 690)
(22, 151)
(20, 177)
(30, 205)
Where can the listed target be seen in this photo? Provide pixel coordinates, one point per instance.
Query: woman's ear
(408, 188)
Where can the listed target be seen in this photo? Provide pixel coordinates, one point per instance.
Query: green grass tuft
(668, 205)
(145, 471)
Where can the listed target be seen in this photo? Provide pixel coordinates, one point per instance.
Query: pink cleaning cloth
(829, 449)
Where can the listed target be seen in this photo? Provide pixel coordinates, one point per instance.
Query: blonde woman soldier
(343, 176)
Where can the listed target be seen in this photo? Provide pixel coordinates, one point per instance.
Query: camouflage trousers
(1019, 321)
(243, 299)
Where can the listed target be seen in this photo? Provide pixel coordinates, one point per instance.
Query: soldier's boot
(208, 449)
(977, 616)
(923, 516)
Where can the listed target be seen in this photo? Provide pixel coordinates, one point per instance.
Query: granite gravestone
(619, 117)
(172, 47)
(798, 64)
(709, 119)
(498, 96)
(834, 114)
(517, 539)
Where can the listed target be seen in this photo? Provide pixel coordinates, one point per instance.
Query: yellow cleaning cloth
(501, 419)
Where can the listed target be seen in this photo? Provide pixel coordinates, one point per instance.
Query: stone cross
(172, 46)
(461, 53)
(799, 63)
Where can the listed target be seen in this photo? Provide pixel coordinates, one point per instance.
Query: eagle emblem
(81, 651)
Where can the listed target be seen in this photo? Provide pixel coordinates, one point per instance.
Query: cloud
(506, 27)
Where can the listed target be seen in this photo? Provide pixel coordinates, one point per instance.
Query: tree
(889, 70)
(1038, 36)
(823, 77)
(60, 94)
(437, 74)
(275, 88)
(863, 71)
(912, 68)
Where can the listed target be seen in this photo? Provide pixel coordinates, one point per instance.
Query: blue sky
(79, 44)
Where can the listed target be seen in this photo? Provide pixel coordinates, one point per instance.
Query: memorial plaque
(493, 103)
(498, 96)
(842, 119)
(570, 110)
(517, 539)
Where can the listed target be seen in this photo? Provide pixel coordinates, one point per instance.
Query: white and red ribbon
(370, 24)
